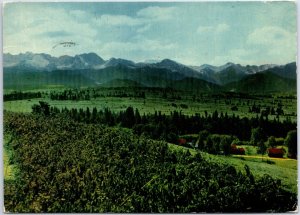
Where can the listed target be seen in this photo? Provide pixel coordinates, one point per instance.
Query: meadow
(157, 99)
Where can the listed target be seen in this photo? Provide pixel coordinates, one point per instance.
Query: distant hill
(177, 67)
(263, 83)
(121, 83)
(32, 80)
(286, 71)
(196, 85)
(231, 72)
(146, 76)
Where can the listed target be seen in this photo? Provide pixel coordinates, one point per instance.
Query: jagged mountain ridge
(92, 70)
(45, 62)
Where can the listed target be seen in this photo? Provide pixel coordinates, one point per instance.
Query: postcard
(150, 107)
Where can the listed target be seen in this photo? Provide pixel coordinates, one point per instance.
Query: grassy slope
(121, 83)
(7, 167)
(37, 80)
(263, 83)
(285, 170)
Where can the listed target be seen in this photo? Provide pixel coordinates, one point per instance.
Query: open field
(156, 100)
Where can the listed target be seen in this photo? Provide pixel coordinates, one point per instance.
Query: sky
(193, 33)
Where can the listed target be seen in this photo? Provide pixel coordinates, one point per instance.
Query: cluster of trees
(267, 111)
(215, 143)
(260, 139)
(168, 127)
(125, 94)
(74, 95)
(68, 166)
(217, 131)
(18, 95)
(89, 93)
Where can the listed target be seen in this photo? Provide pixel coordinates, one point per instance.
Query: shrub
(291, 143)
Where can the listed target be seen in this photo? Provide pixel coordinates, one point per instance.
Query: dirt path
(259, 157)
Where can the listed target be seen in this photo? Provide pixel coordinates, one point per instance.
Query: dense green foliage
(168, 127)
(272, 141)
(215, 143)
(263, 83)
(67, 166)
(291, 142)
(18, 95)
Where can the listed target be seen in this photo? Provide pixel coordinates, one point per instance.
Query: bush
(279, 141)
(291, 143)
(271, 141)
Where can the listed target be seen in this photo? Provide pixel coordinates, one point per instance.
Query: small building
(276, 152)
(181, 141)
(237, 151)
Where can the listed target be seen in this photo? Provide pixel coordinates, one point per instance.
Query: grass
(9, 169)
(150, 105)
(282, 169)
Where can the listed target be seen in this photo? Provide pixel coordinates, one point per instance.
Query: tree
(291, 143)
(128, 118)
(256, 136)
(94, 115)
(272, 141)
(87, 115)
(262, 147)
(226, 144)
(36, 109)
(201, 139)
(137, 116)
(41, 108)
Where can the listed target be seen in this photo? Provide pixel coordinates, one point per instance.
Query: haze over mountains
(42, 70)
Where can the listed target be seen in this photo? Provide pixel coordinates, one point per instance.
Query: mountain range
(31, 70)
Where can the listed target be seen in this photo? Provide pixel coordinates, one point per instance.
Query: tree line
(18, 95)
(169, 127)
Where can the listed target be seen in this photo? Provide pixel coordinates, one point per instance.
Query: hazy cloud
(119, 20)
(220, 28)
(191, 33)
(157, 13)
(274, 42)
(271, 35)
(144, 28)
(55, 34)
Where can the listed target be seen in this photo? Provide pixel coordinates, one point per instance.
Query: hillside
(121, 83)
(34, 80)
(195, 85)
(285, 71)
(263, 83)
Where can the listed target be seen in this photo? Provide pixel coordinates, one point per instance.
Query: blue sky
(191, 33)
